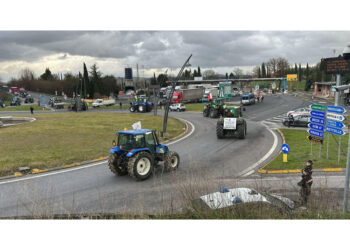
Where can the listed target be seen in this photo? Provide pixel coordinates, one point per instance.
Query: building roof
(325, 83)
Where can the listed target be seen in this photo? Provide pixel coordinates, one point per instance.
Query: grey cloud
(159, 49)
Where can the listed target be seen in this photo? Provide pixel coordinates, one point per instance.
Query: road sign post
(285, 151)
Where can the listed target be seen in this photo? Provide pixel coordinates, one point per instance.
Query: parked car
(298, 121)
(299, 111)
(247, 99)
(177, 107)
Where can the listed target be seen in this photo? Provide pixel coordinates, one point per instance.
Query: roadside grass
(195, 107)
(22, 108)
(300, 152)
(58, 139)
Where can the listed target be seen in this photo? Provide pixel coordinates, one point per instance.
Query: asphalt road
(206, 163)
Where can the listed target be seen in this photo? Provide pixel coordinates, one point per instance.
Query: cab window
(150, 139)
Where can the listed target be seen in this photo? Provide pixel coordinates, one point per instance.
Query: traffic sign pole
(327, 145)
(285, 158)
(346, 187)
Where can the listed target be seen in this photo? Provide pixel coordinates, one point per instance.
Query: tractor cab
(232, 111)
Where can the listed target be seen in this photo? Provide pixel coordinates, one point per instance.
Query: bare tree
(282, 66)
(26, 74)
(209, 74)
(256, 72)
(238, 72)
(272, 67)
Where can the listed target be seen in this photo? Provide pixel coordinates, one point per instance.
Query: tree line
(90, 84)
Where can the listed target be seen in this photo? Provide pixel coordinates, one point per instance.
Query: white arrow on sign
(335, 117)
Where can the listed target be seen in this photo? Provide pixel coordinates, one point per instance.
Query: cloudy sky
(155, 51)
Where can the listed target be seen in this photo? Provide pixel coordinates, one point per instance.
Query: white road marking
(85, 166)
(249, 173)
(52, 173)
(267, 155)
(193, 128)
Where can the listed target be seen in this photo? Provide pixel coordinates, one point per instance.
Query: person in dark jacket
(31, 110)
(290, 120)
(306, 182)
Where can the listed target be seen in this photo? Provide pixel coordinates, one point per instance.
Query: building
(324, 89)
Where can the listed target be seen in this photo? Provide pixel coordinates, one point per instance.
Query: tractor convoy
(141, 104)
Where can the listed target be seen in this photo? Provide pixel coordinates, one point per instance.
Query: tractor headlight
(114, 143)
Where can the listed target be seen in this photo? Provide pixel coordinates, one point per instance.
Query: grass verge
(57, 139)
(195, 107)
(21, 108)
(300, 151)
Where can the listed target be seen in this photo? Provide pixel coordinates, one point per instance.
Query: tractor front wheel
(171, 161)
(114, 165)
(132, 109)
(205, 112)
(219, 130)
(140, 166)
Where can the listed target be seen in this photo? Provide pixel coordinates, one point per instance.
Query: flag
(136, 125)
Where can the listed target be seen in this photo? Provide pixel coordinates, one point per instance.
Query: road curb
(76, 164)
(293, 171)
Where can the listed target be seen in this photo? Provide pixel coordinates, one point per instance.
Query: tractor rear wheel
(140, 166)
(220, 130)
(114, 165)
(241, 130)
(171, 161)
(141, 108)
(213, 113)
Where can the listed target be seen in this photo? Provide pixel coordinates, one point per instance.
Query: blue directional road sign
(317, 120)
(316, 126)
(335, 109)
(285, 148)
(334, 124)
(335, 131)
(317, 114)
(315, 133)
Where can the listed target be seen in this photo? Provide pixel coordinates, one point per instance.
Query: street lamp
(170, 97)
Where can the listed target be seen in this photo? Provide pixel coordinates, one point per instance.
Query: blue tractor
(137, 152)
(141, 104)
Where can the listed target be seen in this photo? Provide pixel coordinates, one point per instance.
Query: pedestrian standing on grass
(121, 105)
(306, 182)
(31, 110)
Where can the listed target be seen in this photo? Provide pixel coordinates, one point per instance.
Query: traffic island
(70, 139)
(301, 151)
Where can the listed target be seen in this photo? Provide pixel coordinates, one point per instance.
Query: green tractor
(214, 108)
(231, 123)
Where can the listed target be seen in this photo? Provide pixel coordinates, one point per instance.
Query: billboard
(336, 65)
(292, 77)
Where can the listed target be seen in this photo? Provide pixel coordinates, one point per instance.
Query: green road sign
(318, 107)
(225, 89)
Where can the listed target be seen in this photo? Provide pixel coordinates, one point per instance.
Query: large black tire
(132, 109)
(140, 166)
(219, 130)
(213, 113)
(141, 108)
(114, 165)
(285, 124)
(205, 112)
(241, 131)
(171, 161)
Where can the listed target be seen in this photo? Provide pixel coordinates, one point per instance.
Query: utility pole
(337, 93)
(170, 97)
